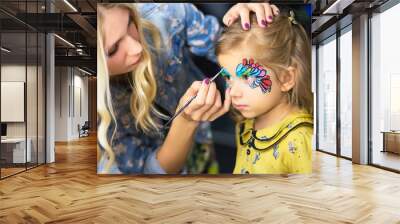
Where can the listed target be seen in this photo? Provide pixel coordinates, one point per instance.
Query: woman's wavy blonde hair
(144, 85)
(282, 44)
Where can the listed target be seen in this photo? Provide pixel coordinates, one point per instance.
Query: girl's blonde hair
(282, 44)
(144, 86)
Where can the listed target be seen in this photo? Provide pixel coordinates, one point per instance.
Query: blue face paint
(259, 77)
(227, 76)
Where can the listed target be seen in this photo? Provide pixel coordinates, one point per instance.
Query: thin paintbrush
(190, 100)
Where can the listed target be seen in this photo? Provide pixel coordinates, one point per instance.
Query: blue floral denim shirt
(184, 30)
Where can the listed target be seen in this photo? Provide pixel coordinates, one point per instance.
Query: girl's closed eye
(227, 76)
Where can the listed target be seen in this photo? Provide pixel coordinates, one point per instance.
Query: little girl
(268, 74)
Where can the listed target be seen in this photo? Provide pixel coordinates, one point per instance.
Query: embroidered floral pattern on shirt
(291, 147)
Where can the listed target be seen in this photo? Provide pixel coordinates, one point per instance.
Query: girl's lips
(240, 106)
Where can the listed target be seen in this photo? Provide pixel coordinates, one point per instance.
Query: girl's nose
(235, 89)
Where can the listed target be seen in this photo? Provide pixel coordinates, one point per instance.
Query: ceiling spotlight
(64, 40)
(337, 7)
(70, 5)
(84, 71)
(5, 50)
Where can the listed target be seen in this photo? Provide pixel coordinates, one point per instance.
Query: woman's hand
(264, 13)
(207, 106)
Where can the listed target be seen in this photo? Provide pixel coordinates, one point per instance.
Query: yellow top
(280, 149)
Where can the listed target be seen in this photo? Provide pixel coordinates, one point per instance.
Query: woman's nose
(133, 46)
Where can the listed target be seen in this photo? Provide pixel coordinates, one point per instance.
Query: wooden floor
(388, 159)
(69, 191)
(5, 172)
(10, 171)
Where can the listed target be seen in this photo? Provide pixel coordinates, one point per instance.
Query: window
(22, 66)
(327, 95)
(385, 89)
(346, 92)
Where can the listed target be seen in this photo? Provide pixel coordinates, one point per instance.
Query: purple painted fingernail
(270, 18)
(264, 22)
(247, 26)
(207, 81)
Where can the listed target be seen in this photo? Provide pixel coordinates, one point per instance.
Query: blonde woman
(139, 81)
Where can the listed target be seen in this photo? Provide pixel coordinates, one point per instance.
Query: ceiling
(332, 15)
(75, 22)
(23, 21)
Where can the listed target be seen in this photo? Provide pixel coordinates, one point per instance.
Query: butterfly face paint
(228, 77)
(255, 74)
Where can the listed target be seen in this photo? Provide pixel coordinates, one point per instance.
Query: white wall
(80, 109)
(61, 103)
(71, 94)
(13, 73)
(34, 125)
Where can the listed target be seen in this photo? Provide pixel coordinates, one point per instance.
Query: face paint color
(255, 74)
(225, 73)
(227, 76)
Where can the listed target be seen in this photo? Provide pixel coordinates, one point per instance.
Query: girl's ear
(288, 79)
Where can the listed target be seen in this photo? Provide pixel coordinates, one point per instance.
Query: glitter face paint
(255, 75)
(259, 77)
